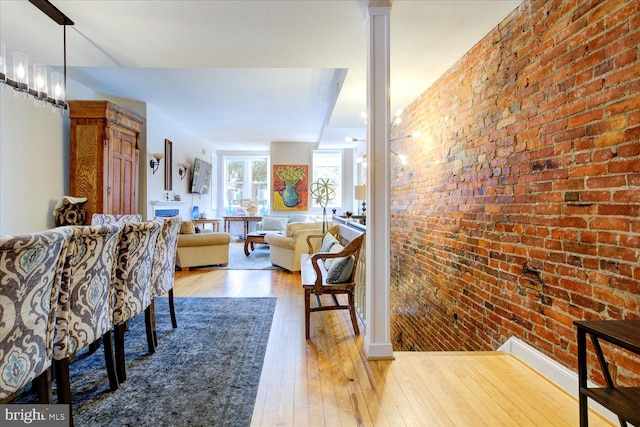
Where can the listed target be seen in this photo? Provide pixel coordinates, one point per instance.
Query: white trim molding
(560, 375)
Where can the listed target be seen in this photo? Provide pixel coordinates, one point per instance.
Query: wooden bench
(313, 274)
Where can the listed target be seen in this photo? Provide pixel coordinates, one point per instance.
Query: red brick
(538, 165)
(606, 182)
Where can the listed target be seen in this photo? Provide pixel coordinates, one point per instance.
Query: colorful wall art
(290, 187)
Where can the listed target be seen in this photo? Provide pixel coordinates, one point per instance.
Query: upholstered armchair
(164, 262)
(131, 290)
(30, 268)
(99, 219)
(285, 249)
(84, 313)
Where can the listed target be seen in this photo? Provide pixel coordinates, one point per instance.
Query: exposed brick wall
(519, 210)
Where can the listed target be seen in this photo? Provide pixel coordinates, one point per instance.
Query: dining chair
(131, 288)
(84, 313)
(164, 266)
(100, 218)
(30, 272)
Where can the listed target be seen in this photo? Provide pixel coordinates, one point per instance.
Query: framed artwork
(290, 187)
(168, 161)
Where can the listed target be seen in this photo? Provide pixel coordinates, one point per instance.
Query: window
(327, 164)
(245, 178)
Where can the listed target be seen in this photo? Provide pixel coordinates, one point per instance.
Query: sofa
(201, 249)
(278, 223)
(287, 246)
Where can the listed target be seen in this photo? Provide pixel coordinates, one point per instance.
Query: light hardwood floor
(327, 380)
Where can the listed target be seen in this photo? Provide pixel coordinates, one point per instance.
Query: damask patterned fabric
(69, 212)
(84, 313)
(30, 271)
(164, 256)
(99, 219)
(131, 290)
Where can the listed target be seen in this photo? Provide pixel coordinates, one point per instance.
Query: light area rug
(257, 259)
(204, 373)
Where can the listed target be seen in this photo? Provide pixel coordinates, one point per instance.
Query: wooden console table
(215, 223)
(623, 401)
(246, 219)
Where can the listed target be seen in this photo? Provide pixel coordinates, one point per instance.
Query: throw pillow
(273, 223)
(187, 227)
(340, 270)
(298, 218)
(337, 247)
(327, 242)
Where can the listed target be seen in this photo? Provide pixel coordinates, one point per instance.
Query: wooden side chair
(331, 271)
(131, 289)
(30, 268)
(84, 312)
(164, 266)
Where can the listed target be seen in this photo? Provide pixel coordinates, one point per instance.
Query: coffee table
(251, 239)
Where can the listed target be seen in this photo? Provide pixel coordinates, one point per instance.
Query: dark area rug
(205, 373)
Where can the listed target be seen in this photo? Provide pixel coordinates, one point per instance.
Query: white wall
(34, 164)
(186, 147)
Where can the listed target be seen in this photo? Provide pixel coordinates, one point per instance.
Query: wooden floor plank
(327, 380)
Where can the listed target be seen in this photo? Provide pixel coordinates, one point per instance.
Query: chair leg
(172, 310)
(149, 327)
(153, 322)
(42, 385)
(109, 361)
(307, 310)
(121, 369)
(62, 380)
(352, 312)
(63, 384)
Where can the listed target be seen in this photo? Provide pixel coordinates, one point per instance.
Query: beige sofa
(285, 248)
(201, 249)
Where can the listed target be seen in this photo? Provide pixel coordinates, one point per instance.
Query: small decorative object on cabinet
(622, 401)
(104, 157)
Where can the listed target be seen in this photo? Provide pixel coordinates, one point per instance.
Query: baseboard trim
(377, 351)
(552, 370)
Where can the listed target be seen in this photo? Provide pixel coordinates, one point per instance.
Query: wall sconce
(361, 194)
(20, 80)
(155, 162)
(183, 169)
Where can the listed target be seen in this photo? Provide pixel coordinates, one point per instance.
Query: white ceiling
(242, 73)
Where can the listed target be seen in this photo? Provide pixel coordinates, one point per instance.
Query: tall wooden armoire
(104, 157)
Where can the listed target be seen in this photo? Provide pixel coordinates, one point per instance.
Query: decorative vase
(252, 210)
(289, 196)
(195, 213)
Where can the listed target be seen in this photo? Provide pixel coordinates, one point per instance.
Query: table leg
(582, 377)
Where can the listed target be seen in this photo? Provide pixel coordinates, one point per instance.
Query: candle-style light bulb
(21, 74)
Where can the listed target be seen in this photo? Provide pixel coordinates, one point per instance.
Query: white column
(377, 342)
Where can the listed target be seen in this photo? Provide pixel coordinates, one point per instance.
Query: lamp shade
(361, 192)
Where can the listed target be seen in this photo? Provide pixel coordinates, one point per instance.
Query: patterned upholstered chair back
(131, 290)
(164, 256)
(99, 219)
(30, 270)
(84, 313)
